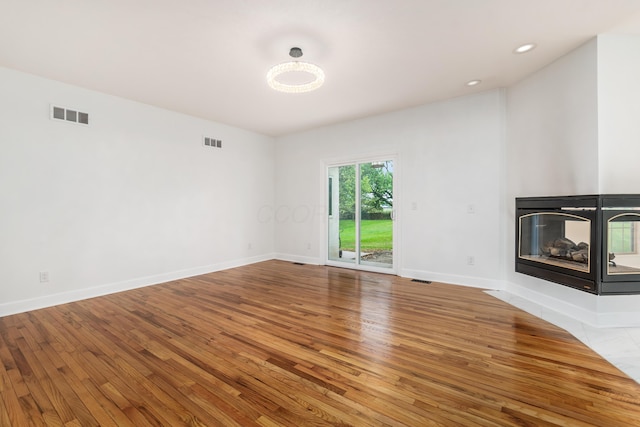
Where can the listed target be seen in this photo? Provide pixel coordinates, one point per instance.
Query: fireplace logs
(564, 248)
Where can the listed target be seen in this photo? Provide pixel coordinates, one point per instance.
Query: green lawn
(376, 235)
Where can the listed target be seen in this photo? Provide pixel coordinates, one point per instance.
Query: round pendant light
(303, 76)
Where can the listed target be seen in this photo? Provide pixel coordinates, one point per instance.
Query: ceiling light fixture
(473, 82)
(524, 48)
(295, 68)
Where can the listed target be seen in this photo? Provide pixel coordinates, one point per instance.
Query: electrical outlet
(249, 246)
(471, 260)
(44, 276)
(471, 209)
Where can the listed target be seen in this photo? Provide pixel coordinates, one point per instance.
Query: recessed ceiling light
(473, 82)
(524, 48)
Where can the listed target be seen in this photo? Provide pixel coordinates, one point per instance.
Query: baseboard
(471, 281)
(548, 302)
(597, 319)
(297, 258)
(96, 291)
(623, 319)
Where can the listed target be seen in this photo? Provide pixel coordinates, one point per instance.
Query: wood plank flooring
(279, 344)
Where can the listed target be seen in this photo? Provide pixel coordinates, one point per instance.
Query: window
(622, 237)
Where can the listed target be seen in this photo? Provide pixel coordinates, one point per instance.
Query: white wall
(552, 129)
(449, 155)
(619, 113)
(552, 150)
(132, 199)
(562, 122)
(619, 137)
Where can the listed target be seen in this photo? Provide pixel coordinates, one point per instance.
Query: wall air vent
(211, 142)
(69, 115)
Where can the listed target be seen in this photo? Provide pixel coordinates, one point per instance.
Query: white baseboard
(547, 302)
(471, 281)
(297, 258)
(474, 282)
(96, 291)
(595, 318)
(626, 319)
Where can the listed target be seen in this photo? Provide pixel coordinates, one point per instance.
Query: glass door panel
(622, 244)
(360, 200)
(342, 213)
(376, 211)
(558, 239)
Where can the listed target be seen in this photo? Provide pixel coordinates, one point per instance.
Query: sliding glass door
(361, 215)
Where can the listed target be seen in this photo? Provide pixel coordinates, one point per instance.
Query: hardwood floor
(279, 344)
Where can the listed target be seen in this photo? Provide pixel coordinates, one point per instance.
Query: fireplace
(591, 243)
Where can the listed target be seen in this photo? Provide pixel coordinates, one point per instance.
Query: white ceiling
(208, 58)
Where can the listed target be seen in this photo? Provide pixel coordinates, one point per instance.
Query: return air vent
(211, 142)
(69, 115)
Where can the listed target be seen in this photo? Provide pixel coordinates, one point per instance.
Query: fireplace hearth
(590, 243)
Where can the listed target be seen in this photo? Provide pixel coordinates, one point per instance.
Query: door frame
(395, 212)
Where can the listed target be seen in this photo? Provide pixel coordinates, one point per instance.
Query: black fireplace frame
(598, 209)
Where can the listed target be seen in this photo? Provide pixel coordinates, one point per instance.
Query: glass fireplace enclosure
(591, 243)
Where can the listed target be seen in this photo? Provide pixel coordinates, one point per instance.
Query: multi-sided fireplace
(591, 243)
